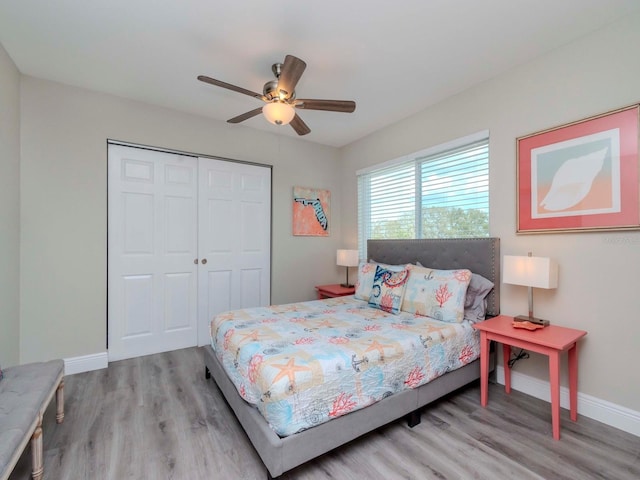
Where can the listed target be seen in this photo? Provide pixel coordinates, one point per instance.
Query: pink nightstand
(550, 341)
(334, 290)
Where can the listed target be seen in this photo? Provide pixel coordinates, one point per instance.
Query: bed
(290, 448)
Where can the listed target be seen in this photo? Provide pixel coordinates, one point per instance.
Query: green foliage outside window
(437, 222)
(447, 222)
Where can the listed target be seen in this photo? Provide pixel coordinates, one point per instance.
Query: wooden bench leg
(36, 450)
(60, 402)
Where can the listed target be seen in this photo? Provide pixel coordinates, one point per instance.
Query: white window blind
(429, 195)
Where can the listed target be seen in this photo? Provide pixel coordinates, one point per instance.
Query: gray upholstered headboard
(480, 255)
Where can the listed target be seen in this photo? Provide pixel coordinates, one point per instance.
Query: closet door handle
(204, 261)
(195, 261)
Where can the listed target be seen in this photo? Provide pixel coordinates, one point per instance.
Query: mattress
(306, 363)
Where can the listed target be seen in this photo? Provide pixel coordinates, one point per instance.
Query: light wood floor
(156, 417)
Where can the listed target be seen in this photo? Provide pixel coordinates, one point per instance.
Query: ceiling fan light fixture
(279, 96)
(278, 113)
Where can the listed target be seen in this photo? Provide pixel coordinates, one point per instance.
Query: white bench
(25, 393)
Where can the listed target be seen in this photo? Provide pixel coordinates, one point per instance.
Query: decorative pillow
(388, 289)
(475, 304)
(439, 294)
(366, 272)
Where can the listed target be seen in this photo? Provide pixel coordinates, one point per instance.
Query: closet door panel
(219, 216)
(138, 305)
(234, 238)
(218, 291)
(251, 286)
(152, 245)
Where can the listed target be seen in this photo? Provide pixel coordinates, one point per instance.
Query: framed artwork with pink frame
(582, 176)
(311, 211)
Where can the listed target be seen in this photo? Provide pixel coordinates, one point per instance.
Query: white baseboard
(601, 410)
(86, 363)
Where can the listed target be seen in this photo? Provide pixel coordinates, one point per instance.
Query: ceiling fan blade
(245, 116)
(299, 126)
(228, 86)
(345, 106)
(292, 70)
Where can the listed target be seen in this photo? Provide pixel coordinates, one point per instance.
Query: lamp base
(526, 318)
(346, 285)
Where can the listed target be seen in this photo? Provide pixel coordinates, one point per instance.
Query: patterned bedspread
(303, 364)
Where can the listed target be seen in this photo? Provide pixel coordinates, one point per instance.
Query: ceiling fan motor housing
(270, 90)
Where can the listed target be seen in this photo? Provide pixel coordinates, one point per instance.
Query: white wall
(63, 189)
(9, 210)
(598, 289)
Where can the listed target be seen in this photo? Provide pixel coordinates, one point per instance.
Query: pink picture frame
(582, 176)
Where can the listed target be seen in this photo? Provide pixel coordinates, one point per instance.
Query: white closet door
(234, 239)
(152, 297)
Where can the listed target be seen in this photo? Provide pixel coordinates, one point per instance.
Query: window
(442, 192)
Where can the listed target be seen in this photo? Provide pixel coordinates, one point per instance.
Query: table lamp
(347, 258)
(538, 272)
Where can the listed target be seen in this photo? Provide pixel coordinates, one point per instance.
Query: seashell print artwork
(581, 176)
(573, 181)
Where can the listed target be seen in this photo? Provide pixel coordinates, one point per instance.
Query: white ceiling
(393, 58)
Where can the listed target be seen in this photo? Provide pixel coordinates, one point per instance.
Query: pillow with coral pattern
(439, 294)
(387, 290)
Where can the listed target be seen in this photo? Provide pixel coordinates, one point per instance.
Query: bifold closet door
(152, 286)
(234, 239)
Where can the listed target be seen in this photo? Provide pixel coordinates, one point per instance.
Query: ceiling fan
(279, 96)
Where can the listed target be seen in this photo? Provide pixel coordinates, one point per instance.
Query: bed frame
(480, 255)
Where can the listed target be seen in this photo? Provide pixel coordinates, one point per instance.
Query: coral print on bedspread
(303, 364)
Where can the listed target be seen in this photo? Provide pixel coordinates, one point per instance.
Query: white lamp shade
(347, 258)
(278, 113)
(538, 272)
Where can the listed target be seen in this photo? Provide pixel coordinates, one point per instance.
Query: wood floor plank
(157, 417)
(582, 452)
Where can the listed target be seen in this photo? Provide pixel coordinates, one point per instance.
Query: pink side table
(334, 290)
(551, 341)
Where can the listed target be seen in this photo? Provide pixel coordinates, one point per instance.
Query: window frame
(416, 159)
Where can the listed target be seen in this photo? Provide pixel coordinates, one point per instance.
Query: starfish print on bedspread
(326, 323)
(252, 335)
(289, 370)
(375, 345)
